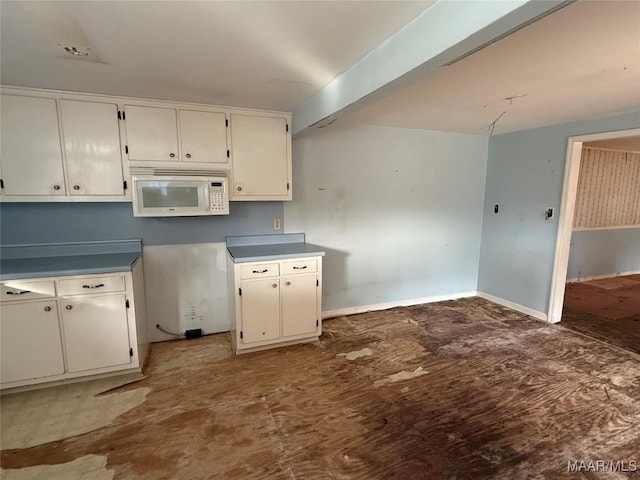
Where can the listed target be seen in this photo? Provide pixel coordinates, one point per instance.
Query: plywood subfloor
(457, 390)
(607, 309)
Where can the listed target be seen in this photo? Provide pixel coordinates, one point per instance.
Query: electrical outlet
(276, 224)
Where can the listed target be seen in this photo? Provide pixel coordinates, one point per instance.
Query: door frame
(567, 210)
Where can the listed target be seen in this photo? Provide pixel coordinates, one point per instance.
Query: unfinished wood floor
(607, 309)
(463, 389)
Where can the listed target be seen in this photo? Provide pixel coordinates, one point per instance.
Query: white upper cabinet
(92, 148)
(75, 147)
(203, 136)
(30, 146)
(261, 157)
(152, 133)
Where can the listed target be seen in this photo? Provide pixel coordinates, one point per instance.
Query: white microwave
(179, 196)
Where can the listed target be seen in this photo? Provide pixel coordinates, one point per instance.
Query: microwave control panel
(218, 196)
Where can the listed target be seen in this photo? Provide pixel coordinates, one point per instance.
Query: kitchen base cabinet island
(71, 311)
(275, 291)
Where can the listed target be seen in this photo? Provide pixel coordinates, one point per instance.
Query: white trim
(567, 210)
(514, 306)
(616, 227)
(604, 275)
(397, 303)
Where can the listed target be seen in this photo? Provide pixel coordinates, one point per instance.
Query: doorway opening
(567, 215)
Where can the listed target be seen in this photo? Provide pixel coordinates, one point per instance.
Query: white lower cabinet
(275, 303)
(30, 341)
(260, 305)
(96, 334)
(299, 309)
(88, 325)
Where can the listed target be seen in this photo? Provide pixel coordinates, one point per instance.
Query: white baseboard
(604, 275)
(397, 303)
(514, 306)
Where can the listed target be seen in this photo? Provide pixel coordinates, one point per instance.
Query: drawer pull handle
(274, 285)
(299, 268)
(93, 286)
(47, 309)
(288, 283)
(16, 292)
(261, 271)
(69, 307)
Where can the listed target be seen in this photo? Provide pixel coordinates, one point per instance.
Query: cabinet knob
(274, 285)
(56, 187)
(239, 189)
(68, 307)
(47, 308)
(76, 187)
(288, 283)
(172, 155)
(188, 155)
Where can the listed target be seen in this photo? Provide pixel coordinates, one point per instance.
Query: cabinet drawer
(258, 271)
(26, 290)
(301, 266)
(81, 286)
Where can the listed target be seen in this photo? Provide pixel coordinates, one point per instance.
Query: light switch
(548, 213)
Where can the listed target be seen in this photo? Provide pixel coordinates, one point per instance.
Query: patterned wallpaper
(608, 189)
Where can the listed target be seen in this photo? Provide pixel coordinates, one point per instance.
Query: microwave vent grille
(173, 172)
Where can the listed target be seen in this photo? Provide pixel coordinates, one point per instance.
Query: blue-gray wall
(524, 176)
(604, 252)
(26, 223)
(399, 211)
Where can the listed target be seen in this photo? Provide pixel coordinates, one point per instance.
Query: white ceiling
(581, 61)
(259, 54)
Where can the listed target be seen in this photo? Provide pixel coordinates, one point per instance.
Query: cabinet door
(260, 157)
(152, 133)
(96, 332)
(260, 303)
(30, 143)
(92, 147)
(299, 305)
(203, 136)
(30, 341)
